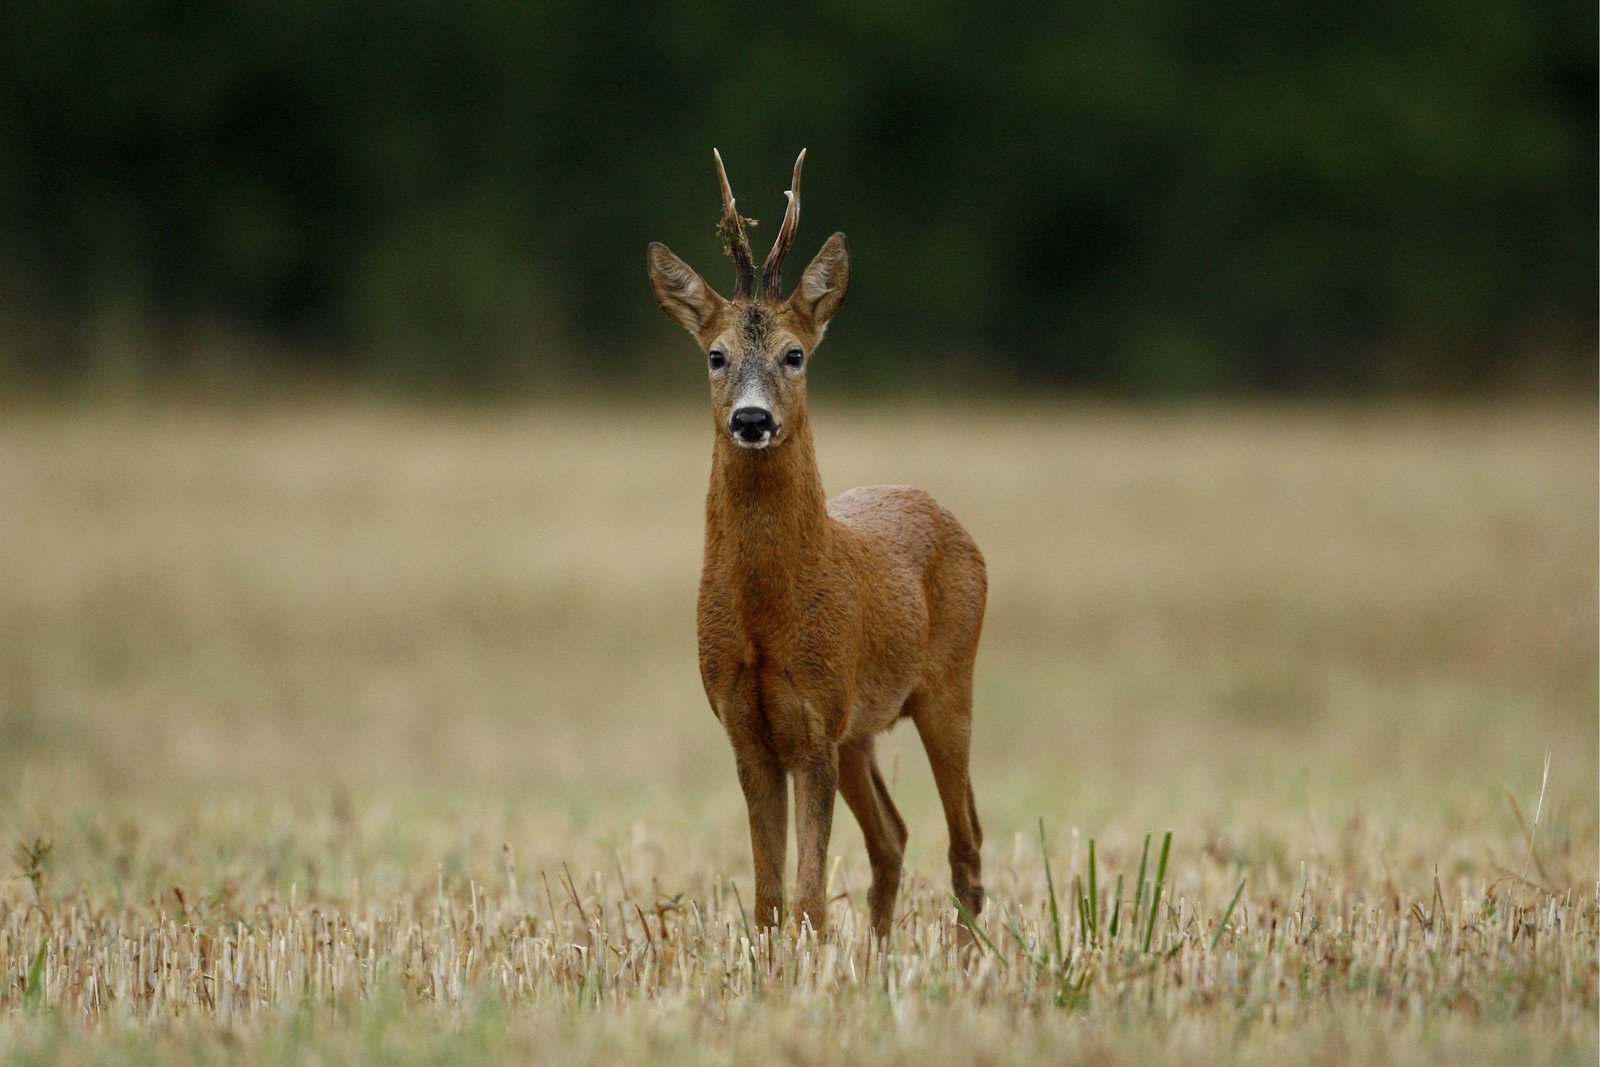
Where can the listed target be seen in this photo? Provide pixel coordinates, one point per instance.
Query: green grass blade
(1082, 905)
(1217, 934)
(33, 992)
(1155, 894)
(972, 924)
(1116, 912)
(1094, 899)
(1138, 893)
(1050, 886)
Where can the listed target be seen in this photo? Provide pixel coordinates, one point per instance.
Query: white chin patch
(766, 439)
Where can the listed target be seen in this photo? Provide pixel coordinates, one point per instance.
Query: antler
(731, 230)
(772, 270)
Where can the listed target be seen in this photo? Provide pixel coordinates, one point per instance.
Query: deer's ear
(682, 293)
(824, 283)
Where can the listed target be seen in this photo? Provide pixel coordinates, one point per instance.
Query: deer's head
(757, 343)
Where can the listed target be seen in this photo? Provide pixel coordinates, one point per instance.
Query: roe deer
(820, 624)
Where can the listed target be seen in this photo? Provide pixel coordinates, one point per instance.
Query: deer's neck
(767, 529)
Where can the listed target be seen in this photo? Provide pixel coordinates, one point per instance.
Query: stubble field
(337, 733)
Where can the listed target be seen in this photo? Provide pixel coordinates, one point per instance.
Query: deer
(820, 623)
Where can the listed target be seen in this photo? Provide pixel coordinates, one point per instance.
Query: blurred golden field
(341, 732)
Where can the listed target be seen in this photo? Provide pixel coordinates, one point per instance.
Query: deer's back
(905, 523)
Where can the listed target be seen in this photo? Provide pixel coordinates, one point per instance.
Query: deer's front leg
(762, 779)
(816, 780)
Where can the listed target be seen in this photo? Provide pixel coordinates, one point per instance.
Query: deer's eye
(794, 358)
(719, 359)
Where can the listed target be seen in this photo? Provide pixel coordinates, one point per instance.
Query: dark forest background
(1138, 197)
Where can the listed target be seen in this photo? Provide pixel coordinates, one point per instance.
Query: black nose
(752, 424)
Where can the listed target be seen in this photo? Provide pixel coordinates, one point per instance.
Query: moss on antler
(728, 232)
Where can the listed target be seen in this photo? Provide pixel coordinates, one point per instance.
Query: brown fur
(822, 623)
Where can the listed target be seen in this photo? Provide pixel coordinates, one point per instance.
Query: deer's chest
(786, 681)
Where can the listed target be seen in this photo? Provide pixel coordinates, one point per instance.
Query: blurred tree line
(1147, 196)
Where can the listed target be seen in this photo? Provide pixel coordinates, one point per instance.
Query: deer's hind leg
(863, 790)
(944, 722)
